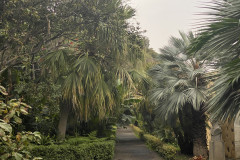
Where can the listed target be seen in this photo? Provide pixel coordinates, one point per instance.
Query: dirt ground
(129, 147)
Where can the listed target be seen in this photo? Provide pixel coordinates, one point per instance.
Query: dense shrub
(13, 143)
(81, 140)
(87, 151)
(167, 151)
(138, 131)
(111, 133)
(153, 142)
(79, 148)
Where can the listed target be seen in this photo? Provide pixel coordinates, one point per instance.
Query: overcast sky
(164, 18)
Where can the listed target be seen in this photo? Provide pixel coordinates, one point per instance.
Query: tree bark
(185, 143)
(185, 138)
(64, 113)
(199, 134)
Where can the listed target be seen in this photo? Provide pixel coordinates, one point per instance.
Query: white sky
(164, 18)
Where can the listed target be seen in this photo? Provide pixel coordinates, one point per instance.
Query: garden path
(129, 147)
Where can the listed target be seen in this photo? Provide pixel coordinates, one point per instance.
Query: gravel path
(129, 147)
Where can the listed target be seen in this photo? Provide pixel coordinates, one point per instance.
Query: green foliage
(44, 140)
(73, 51)
(44, 96)
(14, 146)
(152, 141)
(108, 134)
(180, 93)
(165, 133)
(137, 131)
(218, 40)
(98, 150)
(167, 151)
(92, 135)
(178, 79)
(81, 140)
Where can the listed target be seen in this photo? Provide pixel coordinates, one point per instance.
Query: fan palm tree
(219, 39)
(181, 91)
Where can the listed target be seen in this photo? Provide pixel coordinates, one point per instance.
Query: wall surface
(228, 138)
(237, 137)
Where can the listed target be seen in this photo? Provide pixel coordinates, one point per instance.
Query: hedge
(81, 140)
(167, 151)
(86, 151)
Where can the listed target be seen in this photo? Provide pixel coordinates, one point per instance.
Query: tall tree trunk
(185, 138)
(185, 144)
(199, 134)
(64, 113)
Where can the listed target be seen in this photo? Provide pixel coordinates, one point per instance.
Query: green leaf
(5, 156)
(23, 111)
(37, 134)
(6, 127)
(132, 100)
(3, 91)
(37, 158)
(17, 156)
(17, 119)
(25, 105)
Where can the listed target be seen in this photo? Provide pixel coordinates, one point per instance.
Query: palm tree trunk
(185, 143)
(199, 134)
(62, 125)
(185, 138)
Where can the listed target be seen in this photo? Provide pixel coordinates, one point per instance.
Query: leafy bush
(81, 140)
(86, 151)
(43, 117)
(153, 142)
(13, 146)
(79, 148)
(167, 151)
(92, 135)
(111, 133)
(77, 140)
(137, 131)
(45, 140)
(165, 133)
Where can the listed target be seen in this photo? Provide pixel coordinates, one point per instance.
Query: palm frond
(220, 32)
(159, 94)
(171, 106)
(225, 99)
(193, 73)
(56, 62)
(197, 97)
(124, 76)
(178, 79)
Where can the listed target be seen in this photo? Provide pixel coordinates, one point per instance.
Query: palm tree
(88, 71)
(219, 39)
(180, 92)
